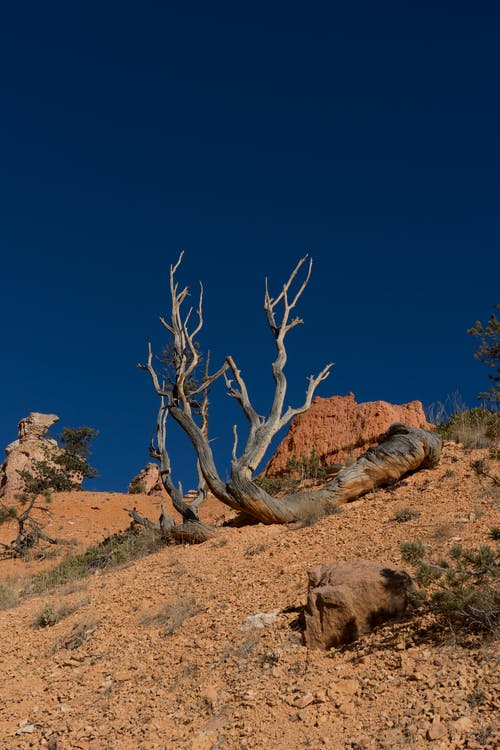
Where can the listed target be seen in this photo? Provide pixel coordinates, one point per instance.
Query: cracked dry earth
(124, 670)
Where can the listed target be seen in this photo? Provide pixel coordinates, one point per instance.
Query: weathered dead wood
(189, 532)
(402, 450)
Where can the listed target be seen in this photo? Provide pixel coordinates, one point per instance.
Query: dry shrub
(50, 615)
(80, 632)
(117, 550)
(475, 428)
(172, 615)
(402, 515)
(9, 594)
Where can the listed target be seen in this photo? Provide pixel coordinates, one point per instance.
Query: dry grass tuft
(78, 635)
(172, 615)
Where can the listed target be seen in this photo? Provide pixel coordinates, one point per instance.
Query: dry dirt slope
(211, 684)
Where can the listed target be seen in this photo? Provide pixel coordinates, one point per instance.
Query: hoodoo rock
(339, 430)
(348, 599)
(32, 445)
(147, 481)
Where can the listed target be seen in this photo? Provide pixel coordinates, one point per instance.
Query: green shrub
(463, 590)
(284, 483)
(405, 514)
(412, 551)
(308, 467)
(49, 615)
(46, 617)
(116, 550)
(474, 428)
(137, 487)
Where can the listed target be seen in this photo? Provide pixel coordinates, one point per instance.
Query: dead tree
(405, 449)
(29, 529)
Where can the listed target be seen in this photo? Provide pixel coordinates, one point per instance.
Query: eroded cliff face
(339, 429)
(32, 445)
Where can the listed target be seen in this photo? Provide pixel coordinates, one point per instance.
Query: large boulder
(32, 445)
(347, 599)
(339, 430)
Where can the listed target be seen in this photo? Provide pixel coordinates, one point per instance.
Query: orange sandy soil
(211, 684)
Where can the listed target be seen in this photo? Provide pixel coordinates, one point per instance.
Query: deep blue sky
(249, 134)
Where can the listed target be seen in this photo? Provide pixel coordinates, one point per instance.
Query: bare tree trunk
(403, 449)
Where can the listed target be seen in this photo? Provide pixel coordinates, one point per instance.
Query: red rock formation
(340, 430)
(31, 446)
(147, 481)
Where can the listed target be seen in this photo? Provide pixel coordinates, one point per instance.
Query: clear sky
(366, 134)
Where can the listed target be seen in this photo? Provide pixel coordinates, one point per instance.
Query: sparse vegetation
(46, 617)
(482, 468)
(283, 483)
(402, 515)
(495, 533)
(116, 550)
(172, 615)
(412, 551)
(80, 632)
(137, 487)
(50, 615)
(9, 595)
(488, 352)
(58, 471)
(297, 470)
(462, 589)
(474, 428)
(308, 467)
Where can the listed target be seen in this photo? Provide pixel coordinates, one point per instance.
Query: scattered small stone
(260, 620)
(463, 724)
(361, 741)
(304, 700)
(347, 709)
(436, 731)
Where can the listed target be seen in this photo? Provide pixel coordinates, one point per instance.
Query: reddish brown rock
(339, 430)
(147, 481)
(347, 599)
(31, 445)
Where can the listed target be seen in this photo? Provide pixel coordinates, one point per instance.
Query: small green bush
(284, 483)
(116, 550)
(474, 428)
(405, 514)
(137, 487)
(412, 551)
(47, 617)
(462, 591)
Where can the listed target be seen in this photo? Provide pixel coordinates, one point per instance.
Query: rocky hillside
(161, 654)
